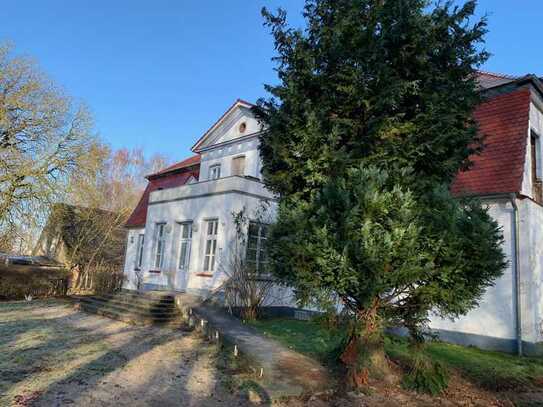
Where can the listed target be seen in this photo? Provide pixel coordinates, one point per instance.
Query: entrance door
(183, 259)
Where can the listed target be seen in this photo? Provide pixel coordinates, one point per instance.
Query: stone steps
(125, 306)
(142, 304)
(134, 308)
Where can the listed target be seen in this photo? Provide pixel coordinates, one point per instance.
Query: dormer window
(535, 155)
(215, 171)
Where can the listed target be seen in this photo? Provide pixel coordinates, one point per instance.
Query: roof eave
(233, 141)
(127, 226)
(489, 195)
(530, 78)
(185, 168)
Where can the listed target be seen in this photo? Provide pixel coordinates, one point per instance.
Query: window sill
(208, 275)
(154, 271)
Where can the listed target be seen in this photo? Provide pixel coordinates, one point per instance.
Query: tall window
(215, 171)
(212, 228)
(139, 252)
(536, 167)
(185, 245)
(238, 165)
(256, 245)
(160, 239)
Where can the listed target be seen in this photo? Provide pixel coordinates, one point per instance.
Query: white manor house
(182, 229)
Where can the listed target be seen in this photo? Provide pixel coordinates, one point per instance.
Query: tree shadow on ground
(200, 364)
(92, 374)
(26, 353)
(32, 347)
(68, 337)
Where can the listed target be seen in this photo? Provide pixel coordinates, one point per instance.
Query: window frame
(160, 245)
(185, 265)
(214, 171)
(239, 157)
(139, 251)
(535, 142)
(536, 166)
(261, 239)
(211, 243)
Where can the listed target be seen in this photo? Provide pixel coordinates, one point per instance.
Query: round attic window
(242, 127)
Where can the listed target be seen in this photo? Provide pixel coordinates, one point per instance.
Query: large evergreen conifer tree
(370, 122)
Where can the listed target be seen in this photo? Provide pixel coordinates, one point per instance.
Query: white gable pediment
(238, 121)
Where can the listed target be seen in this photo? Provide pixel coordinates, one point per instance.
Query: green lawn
(305, 337)
(491, 370)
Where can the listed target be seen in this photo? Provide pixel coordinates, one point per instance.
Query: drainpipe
(516, 273)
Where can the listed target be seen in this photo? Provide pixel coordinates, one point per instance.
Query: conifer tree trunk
(364, 355)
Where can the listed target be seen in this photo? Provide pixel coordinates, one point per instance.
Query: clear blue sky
(157, 74)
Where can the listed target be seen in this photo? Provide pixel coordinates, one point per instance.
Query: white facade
(217, 194)
(179, 262)
(495, 316)
(494, 324)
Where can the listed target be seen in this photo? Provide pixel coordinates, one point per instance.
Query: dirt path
(53, 355)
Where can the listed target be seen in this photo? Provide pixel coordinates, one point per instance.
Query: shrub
(106, 280)
(16, 282)
(426, 375)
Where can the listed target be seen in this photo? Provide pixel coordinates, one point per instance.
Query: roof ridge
(187, 162)
(497, 75)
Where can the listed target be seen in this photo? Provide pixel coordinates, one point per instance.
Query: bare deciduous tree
(113, 181)
(43, 137)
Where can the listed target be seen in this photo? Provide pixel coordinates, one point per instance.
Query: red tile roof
(173, 179)
(503, 120)
(189, 162)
